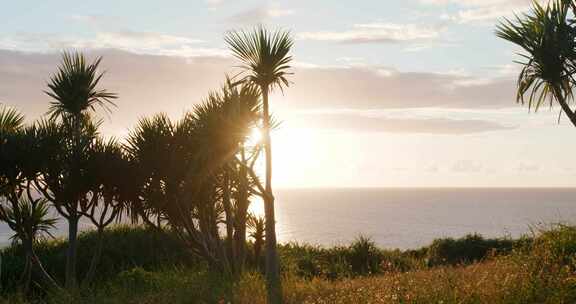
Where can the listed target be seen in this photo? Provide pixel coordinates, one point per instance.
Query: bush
(136, 279)
(125, 247)
(466, 250)
(556, 245)
(364, 257)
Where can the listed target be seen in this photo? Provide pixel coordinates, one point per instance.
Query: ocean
(411, 218)
(408, 218)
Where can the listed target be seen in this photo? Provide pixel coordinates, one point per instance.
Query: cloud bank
(148, 84)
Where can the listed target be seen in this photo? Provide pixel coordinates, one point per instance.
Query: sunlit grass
(542, 270)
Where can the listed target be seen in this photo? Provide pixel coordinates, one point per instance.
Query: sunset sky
(385, 93)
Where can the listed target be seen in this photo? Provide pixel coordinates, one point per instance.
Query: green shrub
(364, 257)
(136, 279)
(125, 247)
(465, 250)
(557, 245)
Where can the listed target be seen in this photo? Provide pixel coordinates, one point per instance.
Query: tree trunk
(273, 280)
(34, 264)
(229, 221)
(565, 107)
(257, 252)
(27, 273)
(95, 259)
(71, 254)
(241, 215)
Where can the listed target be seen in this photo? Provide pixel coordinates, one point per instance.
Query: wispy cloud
(483, 10)
(467, 166)
(260, 14)
(131, 41)
(377, 32)
(367, 122)
(365, 86)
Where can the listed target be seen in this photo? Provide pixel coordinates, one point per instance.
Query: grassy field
(149, 267)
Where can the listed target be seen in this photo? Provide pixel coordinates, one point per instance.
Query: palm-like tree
(108, 176)
(256, 225)
(29, 219)
(75, 93)
(547, 37)
(74, 87)
(25, 214)
(266, 63)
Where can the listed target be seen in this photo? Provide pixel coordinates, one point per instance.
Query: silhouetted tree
(266, 60)
(75, 93)
(256, 225)
(190, 175)
(26, 214)
(108, 171)
(548, 37)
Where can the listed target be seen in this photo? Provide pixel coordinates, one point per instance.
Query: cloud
(354, 122)
(375, 87)
(146, 84)
(483, 10)
(259, 15)
(131, 41)
(527, 167)
(93, 20)
(378, 32)
(149, 84)
(467, 166)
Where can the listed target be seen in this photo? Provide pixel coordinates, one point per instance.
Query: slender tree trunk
(71, 254)
(565, 107)
(34, 264)
(73, 217)
(95, 259)
(241, 216)
(257, 252)
(273, 280)
(229, 220)
(27, 273)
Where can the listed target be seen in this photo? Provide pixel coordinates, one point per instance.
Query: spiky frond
(74, 87)
(264, 54)
(28, 219)
(256, 225)
(10, 119)
(548, 40)
(225, 119)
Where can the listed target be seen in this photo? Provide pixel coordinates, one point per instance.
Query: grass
(467, 270)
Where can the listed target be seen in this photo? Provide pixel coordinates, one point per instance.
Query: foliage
(469, 249)
(547, 37)
(533, 272)
(190, 171)
(133, 247)
(265, 55)
(266, 63)
(74, 87)
(28, 219)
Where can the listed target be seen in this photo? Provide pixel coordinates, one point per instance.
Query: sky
(412, 93)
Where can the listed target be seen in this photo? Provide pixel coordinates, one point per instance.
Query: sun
(255, 137)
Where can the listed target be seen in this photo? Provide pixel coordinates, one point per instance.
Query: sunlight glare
(256, 206)
(255, 137)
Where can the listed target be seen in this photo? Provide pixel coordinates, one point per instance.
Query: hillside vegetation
(149, 267)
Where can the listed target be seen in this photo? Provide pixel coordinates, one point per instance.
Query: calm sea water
(410, 218)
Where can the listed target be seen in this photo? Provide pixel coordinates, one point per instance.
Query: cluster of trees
(194, 176)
